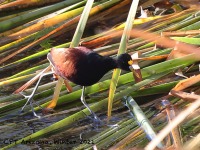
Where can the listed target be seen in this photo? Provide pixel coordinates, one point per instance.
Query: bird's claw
(30, 100)
(21, 111)
(97, 122)
(36, 115)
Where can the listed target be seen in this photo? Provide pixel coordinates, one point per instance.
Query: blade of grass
(170, 111)
(21, 4)
(142, 120)
(122, 49)
(188, 40)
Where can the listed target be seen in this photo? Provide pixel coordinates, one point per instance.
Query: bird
(84, 67)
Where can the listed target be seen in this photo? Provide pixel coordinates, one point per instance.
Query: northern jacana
(82, 66)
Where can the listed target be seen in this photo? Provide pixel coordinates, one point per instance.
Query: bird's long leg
(58, 87)
(32, 94)
(86, 105)
(30, 82)
(97, 120)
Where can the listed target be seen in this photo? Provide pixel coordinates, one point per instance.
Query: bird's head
(124, 61)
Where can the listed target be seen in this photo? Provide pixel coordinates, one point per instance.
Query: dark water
(18, 126)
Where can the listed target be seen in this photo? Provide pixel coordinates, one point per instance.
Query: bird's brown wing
(84, 49)
(65, 61)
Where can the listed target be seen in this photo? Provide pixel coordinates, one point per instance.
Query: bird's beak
(133, 64)
(134, 67)
(130, 62)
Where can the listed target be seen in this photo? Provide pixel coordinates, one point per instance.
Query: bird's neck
(110, 63)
